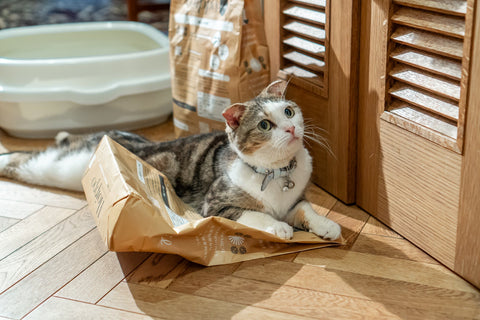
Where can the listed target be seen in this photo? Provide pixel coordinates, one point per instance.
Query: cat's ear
(233, 114)
(276, 89)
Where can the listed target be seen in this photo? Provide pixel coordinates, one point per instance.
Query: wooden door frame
(370, 102)
(467, 255)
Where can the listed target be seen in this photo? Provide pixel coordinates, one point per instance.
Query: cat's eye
(265, 125)
(289, 112)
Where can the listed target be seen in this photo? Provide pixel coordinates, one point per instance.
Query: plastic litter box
(83, 77)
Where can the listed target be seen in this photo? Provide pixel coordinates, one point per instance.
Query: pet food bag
(218, 56)
(136, 209)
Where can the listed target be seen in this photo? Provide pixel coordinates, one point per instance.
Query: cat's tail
(61, 166)
(53, 167)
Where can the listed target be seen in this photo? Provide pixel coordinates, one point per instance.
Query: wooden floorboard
(159, 270)
(17, 209)
(379, 245)
(54, 265)
(351, 218)
(57, 308)
(174, 305)
(400, 295)
(385, 267)
(6, 223)
(373, 226)
(33, 195)
(40, 250)
(51, 276)
(111, 268)
(30, 228)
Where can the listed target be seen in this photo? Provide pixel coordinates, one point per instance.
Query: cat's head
(268, 130)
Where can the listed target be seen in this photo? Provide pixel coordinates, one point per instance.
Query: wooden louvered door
(426, 52)
(418, 125)
(314, 45)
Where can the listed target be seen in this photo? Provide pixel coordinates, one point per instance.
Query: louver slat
(429, 62)
(315, 3)
(304, 74)
(437, 85)
(425, 100)
(305, 45)
(309, 15)
(453, 7)
(430, 42)
(305, 61)
(300, 72)
(305, 30)
(428, 21)
(427, 120)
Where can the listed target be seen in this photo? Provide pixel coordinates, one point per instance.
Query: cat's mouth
(293, 139)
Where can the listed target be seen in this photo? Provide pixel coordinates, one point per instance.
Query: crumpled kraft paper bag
(136, 209)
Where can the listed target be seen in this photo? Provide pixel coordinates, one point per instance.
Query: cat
(255, 172)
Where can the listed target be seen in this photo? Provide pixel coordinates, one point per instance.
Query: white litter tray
(83, 77)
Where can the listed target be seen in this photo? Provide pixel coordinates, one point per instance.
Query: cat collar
(271, 174)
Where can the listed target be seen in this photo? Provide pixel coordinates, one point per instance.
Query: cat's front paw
(281, 229)
(326, 228)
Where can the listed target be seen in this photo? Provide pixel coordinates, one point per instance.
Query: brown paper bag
(218, 56)
(136, 209)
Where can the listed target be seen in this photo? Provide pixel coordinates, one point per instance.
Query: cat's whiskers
(276, 152)
(280, 150)
(311, 123)
(280, 143)
(311, 135)
(324, 144)
(281, 146)
(307, 142)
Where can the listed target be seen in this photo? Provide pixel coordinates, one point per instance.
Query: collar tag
(268, 177)
(271, 174)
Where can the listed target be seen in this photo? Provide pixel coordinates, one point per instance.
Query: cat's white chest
(276, 201)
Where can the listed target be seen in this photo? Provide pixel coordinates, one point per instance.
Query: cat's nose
(291, 130)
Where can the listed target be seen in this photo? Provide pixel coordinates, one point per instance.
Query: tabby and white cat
(255, 173)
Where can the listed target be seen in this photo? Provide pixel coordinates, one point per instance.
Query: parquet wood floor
(53, 265)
